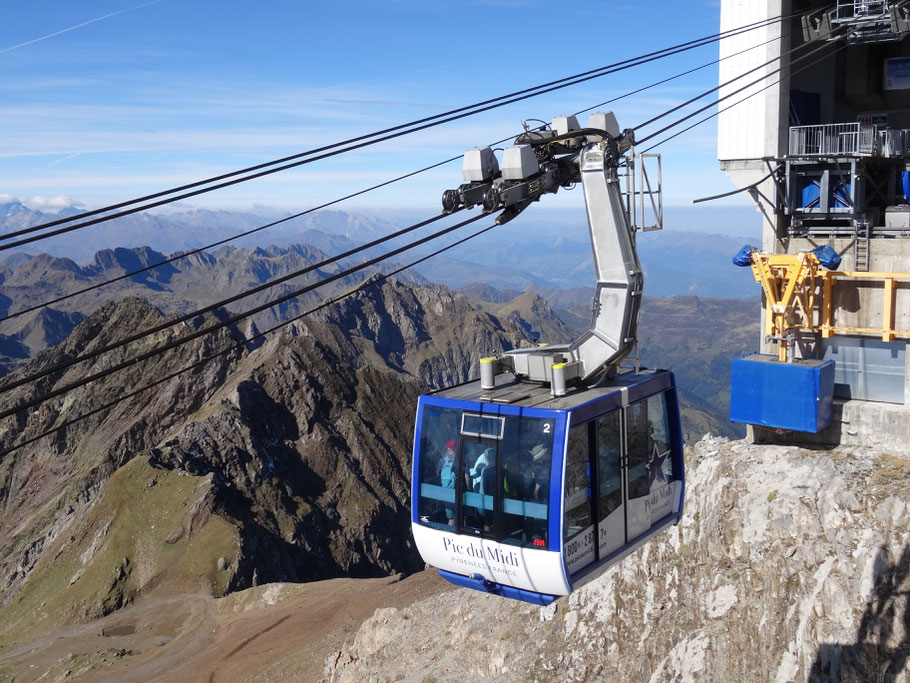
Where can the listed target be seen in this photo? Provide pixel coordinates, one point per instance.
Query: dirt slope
(271, 632)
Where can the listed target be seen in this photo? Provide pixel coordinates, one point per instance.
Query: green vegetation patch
(137, 535)
(890, 475)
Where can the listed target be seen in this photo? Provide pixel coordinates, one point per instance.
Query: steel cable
(265, 285)
(738, 102)
(370, 283)
(362, 141)
(818, 49)
(199, 333)
(246, 233)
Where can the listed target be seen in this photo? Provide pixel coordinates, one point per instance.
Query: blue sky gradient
(103, 100)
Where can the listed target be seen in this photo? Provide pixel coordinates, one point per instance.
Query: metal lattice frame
(790, 283)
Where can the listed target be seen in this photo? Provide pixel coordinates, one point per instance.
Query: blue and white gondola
(540, 494)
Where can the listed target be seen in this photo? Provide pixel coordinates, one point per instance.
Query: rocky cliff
(286, 460)
(789, 565)
(187, 284)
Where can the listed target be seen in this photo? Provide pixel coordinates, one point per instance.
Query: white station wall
(750, 130)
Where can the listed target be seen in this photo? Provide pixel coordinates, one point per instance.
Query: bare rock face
(789, 565)
(303, 441)
(428, 332)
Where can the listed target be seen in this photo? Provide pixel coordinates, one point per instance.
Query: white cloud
(39, 203)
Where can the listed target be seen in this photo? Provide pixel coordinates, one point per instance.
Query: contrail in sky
(72, 28)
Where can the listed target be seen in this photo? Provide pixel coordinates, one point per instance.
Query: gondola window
(439, 430)
(609, 454)
(527, 455)
(578, 483)
(500, 486)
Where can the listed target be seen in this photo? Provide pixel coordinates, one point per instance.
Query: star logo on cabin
(656, 468)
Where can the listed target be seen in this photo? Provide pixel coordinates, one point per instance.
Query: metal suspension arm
(542, 162)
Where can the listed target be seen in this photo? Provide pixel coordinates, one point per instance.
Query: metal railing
(643, 193)
(862, 10)
(871, 21)
(849, 139)
(833, 139)
(894, 143)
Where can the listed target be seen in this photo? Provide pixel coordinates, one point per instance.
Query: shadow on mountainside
(882, 645)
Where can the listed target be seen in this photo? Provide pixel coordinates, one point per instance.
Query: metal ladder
(861, 248)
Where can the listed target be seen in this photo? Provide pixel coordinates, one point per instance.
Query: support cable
(246, 340)
(246, 314)
(369, 283)
(729, 82)
(734, 104)
(679, 75)
(201, 332)
(362, 141)
(711, 38)
(823, 46)
(246, 233)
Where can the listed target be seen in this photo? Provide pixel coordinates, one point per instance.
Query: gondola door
(652, 484)
(478, 462)
(620, 481)
(594, 491)
(578, 522)
(611, 523)
(637, 463)
(477, 513)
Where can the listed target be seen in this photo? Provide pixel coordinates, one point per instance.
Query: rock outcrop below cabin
(789, 565)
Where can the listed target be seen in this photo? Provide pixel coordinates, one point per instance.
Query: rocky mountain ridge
(288, 453)
(180, 287)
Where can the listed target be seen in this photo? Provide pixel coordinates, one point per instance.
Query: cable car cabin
(528, 496)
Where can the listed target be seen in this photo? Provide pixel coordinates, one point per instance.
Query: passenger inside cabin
(524, 478)
(447, 475)
(448, 457)
(536, 475)
(474, 478)
(525, 481)
(478, 474)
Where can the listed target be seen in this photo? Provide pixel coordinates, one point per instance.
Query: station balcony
(845, 180)
(849, 140)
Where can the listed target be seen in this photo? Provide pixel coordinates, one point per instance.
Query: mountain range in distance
(546, 249)
(541, 255)
(694, 336)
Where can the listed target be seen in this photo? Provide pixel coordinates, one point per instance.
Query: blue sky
(101, 101)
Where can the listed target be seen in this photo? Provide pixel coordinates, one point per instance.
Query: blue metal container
(797, 396)
(810, 192)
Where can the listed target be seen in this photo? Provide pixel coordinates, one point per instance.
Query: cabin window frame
(516, 432)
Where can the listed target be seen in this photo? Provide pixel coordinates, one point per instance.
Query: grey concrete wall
(865, 424)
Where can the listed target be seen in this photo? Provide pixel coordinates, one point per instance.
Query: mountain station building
(820, 141)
